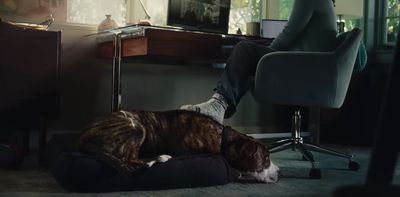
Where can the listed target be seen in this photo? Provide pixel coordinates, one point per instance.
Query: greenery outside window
(243, 11)
(279, 9)
(391, 21)
(285, 8)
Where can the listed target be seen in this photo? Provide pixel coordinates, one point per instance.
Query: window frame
(383, 25)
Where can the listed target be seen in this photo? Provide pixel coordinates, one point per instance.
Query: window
(129, 11)
(94, 11)
(279, 9)
(243, 11)
(392, 18)
(157, 10)
(285, 8)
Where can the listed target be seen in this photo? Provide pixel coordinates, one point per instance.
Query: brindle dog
(123, 139)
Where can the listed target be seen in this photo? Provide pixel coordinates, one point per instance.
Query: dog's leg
(133, 162)
(163, 158)
(159, 159)
(136, 165)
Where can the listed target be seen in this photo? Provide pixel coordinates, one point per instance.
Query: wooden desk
(155, 44)
(163, 43)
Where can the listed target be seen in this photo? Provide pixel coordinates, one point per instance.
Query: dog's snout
(275, 173)
(268, 175)
(278, 177)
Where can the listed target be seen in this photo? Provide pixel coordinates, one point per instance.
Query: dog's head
(251, 157)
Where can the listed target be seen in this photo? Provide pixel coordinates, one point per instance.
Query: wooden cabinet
(29, 77)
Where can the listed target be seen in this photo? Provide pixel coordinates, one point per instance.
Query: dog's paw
(159, 159)
(163, 158)
(151, 163)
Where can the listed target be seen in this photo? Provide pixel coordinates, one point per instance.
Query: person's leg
(241, 65)
(234, 82)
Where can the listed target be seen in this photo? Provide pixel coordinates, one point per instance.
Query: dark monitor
(200, 15)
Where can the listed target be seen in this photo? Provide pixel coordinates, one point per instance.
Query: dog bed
(83, 173)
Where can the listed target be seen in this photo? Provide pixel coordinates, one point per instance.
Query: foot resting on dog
(215, 107)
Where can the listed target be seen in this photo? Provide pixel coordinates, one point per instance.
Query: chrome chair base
(296, 143)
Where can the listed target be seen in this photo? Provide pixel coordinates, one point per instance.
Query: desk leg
(116, 75)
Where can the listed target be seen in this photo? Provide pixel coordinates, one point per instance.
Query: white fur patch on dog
(159, 159)
(151, 163)
(268, 175)
(163, 158)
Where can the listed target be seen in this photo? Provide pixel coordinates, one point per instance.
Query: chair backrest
(302, 78)
(346, 54)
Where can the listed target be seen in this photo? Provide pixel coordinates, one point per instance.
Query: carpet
(34, 181)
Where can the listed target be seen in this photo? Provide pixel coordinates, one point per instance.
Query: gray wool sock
(215, 107)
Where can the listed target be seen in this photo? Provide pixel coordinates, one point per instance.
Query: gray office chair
(308, 79)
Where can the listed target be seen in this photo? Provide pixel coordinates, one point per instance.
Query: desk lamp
(348, 9)
(135, 15)
(145, 21)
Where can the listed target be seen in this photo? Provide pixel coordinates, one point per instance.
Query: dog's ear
(253, 155)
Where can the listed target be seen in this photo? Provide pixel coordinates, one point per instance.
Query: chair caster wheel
(315, 173)
(354, 166)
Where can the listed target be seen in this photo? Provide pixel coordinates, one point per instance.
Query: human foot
(215, 107)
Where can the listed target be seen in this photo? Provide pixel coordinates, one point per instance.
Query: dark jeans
(241, 64)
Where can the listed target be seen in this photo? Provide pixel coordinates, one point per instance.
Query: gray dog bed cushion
(83, 173)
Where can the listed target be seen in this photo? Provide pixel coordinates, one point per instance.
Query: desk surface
(170, 44)
(159, 43)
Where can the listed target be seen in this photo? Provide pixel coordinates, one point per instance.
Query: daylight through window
(243, 11)
(392, 20)
(94, 11)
